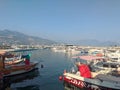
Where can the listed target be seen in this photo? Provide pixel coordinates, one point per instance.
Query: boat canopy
(89, 57)
(2, 52)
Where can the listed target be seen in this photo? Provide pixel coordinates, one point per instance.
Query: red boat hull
(74, 84)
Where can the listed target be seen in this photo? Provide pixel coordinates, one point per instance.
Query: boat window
(111, 65)
(80, 60)
(105, 65)
(115, 58)
(83, 61)
(99, 64)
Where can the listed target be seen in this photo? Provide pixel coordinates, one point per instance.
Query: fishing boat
(26, 76)
(99, 80)
(5, 82)
(12, 70)
(18, 69)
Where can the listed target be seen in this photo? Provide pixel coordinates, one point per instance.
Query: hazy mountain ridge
(90, 42)
(14, 37)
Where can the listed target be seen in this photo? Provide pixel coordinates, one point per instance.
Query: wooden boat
(100, 80)
(18, 69)
(6, 81)
(14, 81)
(22, 77)
(14, 69)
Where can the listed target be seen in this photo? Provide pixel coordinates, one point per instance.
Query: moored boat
(101, 79)
(104, 82)
(18, 69)
(15, 69)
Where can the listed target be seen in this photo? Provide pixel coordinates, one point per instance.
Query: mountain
(90, 42)
(9, 37)
(14, 37)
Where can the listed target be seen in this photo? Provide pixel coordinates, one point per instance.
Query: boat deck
(108, 78)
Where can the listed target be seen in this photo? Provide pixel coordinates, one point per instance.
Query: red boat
(98, 80)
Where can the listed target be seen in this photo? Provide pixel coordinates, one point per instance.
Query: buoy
(42, 65)
(60, 78)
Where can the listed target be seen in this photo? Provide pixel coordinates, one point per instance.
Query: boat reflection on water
(17, 79)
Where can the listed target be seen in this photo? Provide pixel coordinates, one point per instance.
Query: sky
(63, 20)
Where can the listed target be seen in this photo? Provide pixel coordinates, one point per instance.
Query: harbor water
(46, 78)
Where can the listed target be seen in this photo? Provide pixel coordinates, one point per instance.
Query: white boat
(14, 61)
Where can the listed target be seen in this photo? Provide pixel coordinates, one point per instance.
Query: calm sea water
(46, 78)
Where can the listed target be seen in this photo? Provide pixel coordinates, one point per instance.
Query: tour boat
(15, 69)
(18, 69)
(100, 79)
(97, 82)
(6, 81)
